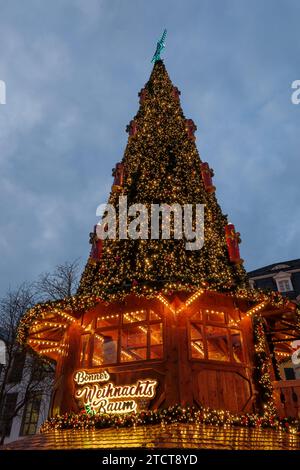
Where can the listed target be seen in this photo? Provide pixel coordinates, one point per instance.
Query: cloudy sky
(73, 69)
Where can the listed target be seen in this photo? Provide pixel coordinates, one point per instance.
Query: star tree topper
(159, 47)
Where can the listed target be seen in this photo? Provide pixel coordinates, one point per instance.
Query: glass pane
(215, 316)
(156, 341)
(197, 346)
(233, 317)
(84, 355)
(105, 347)
(217, 343)
(197, 316)
(134, 344)
(108, 320)
(154, 316)
(236, 343)
(97, 359)
(31, 429)
(134, 316)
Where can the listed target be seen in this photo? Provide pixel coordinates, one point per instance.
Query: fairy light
(99, 337)
(48, 324)
(255, 309)
(42, 341)
(126, 354)
(66, 316)
(58, 350)
(135, 316)
(108, 317)
(164, 301)
(190, 300)
(283, 354)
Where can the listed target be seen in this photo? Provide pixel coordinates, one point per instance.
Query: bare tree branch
(37, 374)
(63, 282)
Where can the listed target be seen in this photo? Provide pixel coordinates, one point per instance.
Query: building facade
(20, 416)
(283, 277)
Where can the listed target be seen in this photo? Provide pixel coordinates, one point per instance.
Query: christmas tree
(161, 165)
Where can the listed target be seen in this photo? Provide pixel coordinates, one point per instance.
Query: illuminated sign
(82, 377)
(108, 397)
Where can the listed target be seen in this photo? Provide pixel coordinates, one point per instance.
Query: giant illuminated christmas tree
(161, 165)
(154, 324)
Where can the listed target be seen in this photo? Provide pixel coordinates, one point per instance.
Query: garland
(262, 369)
(81, 302)
(72, 305)
(173, 414)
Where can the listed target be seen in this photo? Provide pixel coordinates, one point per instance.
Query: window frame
(204, 323)
(285, 277)
(123, 326)
(29, 403)
(287, 287)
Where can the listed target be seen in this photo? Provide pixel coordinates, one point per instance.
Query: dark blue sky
(73, 69)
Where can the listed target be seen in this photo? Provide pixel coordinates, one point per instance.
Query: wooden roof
(46, 327)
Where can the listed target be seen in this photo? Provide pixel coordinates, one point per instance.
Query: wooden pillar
(63, 391)
(172, 359)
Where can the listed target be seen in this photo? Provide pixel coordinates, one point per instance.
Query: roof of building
(275, 267)
(176, 435)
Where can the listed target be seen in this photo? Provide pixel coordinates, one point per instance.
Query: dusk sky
(73, 70)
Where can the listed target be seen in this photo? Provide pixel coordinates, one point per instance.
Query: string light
(283, 354)
(164, 301)
(42, 341)
(255, 309)
(39, 326)
(159, 268)
(173, 414)
(190, 300)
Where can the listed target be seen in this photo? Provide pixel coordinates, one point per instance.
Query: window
(289, 373)
(127, 337)
(217, 343)
(283, 281)
(7, 413)
(215, 336)
(134, 343)
(284, 285)
(16, 371)
(236, 345)
(197, 341)
(31, 415)
(84, 355)
(215, 317)
(105, 348)
(156, 341)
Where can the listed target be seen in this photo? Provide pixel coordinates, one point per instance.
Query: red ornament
(190, 127)
(134, 283)
(207, 174)
(142, 95)
(132, 128)
(97, 246)
(176, 93)
(118, 173)
(232, 241)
